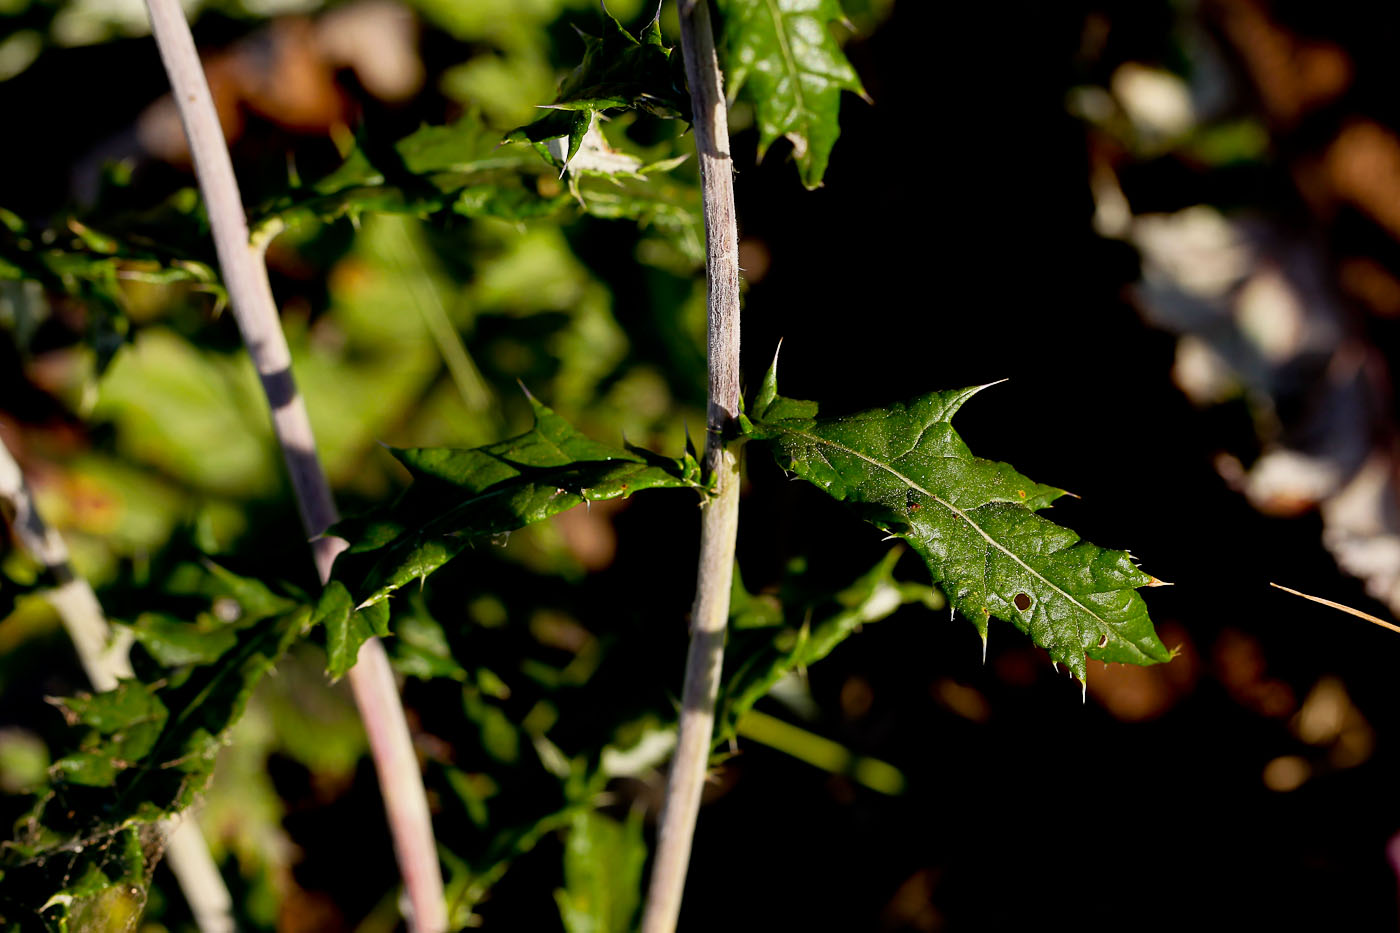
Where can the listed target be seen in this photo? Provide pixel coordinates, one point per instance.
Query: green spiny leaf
(461, 496)
(782, 55)
(347, 628)
(973, 521)
(618, 71)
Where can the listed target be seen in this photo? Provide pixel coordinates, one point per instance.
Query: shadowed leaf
(462, 496)
(772, 637)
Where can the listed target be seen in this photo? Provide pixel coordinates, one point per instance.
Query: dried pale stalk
(250, 296)
(1342, 607)
(720, 522)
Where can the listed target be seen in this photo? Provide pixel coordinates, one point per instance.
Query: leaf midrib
(1108, 629)
(788, 59)
(504, 487)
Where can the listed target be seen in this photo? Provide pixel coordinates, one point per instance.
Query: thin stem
(1341, 606)
(187, 854)
(105, 661)
(471, 385)
(250, 296)
(720, 520)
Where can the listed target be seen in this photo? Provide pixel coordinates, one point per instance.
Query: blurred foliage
(144, 750)
(559, 699)
(603, 862)
(90, 270)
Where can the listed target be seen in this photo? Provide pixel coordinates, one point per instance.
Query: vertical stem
(245, 276)
(720, 520)
(105, 661)
(187, 854)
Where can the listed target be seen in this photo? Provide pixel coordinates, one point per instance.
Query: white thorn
(1084, 691)
(984, 649)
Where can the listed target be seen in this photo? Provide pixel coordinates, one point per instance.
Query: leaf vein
(817, 441)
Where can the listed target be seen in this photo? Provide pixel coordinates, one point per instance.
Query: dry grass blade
(1347, 609)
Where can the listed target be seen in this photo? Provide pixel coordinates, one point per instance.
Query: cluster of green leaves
(771, 636)
(618, 71)
(779, 55)
(144, 750)
(462, 170)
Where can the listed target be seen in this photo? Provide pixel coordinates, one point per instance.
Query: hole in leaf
(1022, 601)
(1103, 642)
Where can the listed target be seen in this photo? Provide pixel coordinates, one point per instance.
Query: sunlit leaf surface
(780, 54)
(973, 521)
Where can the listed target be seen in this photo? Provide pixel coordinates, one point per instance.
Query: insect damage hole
(1022, 601)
